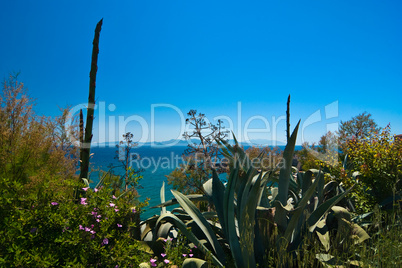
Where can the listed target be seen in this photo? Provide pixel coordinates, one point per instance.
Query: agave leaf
(320, 188)
(207, 186)
(145, 232)
(243, 186)
(190, 236)
(264, 201)
(164, 230)
(247, 223)
(194, 263)
(341, 213)
(324, 208)
(217, 194)
(143, 246)
(293, 223)
(358, 233)
(361, 217)
(209, 214)
(284, 175)
(230, 219)
(225, 152)
(266, 177)
(345, 162)
(274, 193)
(329, 187)
(173, 201)
(163, 209)
(344, 219)
(356, 175)
(307, 181)
(197, 216)
(323, 234)
(327, 260)
(227, 149)
(245, 190)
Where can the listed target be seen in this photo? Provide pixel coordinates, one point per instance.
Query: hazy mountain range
(172, 142)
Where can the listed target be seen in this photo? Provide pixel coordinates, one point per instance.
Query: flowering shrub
(379, 161)
(47, 232)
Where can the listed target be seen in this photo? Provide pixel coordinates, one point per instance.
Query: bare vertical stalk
(86, 145)
(288, 120)
(81, 132)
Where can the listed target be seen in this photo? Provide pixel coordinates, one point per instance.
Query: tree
(201, 156)
(33, 148)
(327, 142)
(325, 153)
(131, 177)
(359, 127)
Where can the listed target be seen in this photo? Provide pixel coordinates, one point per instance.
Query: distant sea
(156, 163)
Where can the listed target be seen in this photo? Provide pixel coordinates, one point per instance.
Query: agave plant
(252, 222)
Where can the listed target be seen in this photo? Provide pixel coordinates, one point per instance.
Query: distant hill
(173, 142)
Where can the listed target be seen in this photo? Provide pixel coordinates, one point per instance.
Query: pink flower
(83, 201)
(166, 261)
(92, 232)
(99, 216)
(114, 197)
(87, 229)
(96, 189)
(190, 255)
(112, 205)
(116, 209)
(184, 255)
(85, 189)
(105, 241)
(54, 203)
(153, 262)
(81, 228)
(98, 220)
(119, 225)
(163, 255)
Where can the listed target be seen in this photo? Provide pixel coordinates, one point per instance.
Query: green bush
(53, 231)
(379, 162)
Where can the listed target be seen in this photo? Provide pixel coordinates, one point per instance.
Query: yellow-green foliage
(379, 161)
(34, 150)
(271, 157)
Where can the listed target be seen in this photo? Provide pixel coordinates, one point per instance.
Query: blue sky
(235, 60)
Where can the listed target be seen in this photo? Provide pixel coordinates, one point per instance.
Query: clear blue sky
(210, 56)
